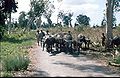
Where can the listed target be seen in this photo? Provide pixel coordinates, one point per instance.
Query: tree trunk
(9, 23)
(109, 16)
(70, 23)
(57, 19)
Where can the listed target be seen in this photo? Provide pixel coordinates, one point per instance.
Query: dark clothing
(69, 37)
(38, 38)
(103, 40)
(41, 35)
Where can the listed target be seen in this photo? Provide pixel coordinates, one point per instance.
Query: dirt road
(44, 64)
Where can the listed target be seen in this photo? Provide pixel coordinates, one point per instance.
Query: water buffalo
(68, 42)
(76, 45)
(60, 42)
(82, 39)
(50, 41)
(115, 41)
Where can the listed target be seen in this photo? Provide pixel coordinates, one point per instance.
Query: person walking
(41, 35)
(37, 37)
(103, 39)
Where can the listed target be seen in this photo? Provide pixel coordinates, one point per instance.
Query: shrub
(15, 63)
(6, 74)
(118, 28)
(79, 28)
(117, 60)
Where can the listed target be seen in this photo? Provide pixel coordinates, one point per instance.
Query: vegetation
(117, 60)
(14, 46)
(6, 74)
(83, 20)
(112, 6)
(14, 51)
(66, 18)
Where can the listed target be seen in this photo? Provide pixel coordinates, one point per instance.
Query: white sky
(91, 8)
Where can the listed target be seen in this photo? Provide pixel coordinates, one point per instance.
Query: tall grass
(14, 51)
(117, 60)
(6, 74)
(15, 62)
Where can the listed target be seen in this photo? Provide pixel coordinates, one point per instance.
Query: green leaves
(116, 5)
(38, 7)
(65, 17)
(10, 6)
(22, 19)
(83, 19)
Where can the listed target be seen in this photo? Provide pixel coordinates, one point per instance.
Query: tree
(48, 12)
(65, 17)
(70, 18)
(60, 15)
(60, 3)
(104, 21)
(10, 6)
(83, 19)
(22, 19)
(111, 7)
(116, 5)
(119, 25)
(65, 20)
(6, 8)
(38, 8)
(109, 16)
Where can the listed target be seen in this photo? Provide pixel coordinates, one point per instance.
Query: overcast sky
(92, 8)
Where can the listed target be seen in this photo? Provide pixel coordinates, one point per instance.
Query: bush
(6, 74)
(79, 28)
(15, 63)
(118, 28)
(117, 60)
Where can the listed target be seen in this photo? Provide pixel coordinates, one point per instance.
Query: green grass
(6, 74)
(117, 60)
(15, 62)
(14, 51)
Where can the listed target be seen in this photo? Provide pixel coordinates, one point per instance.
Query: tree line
(39, 8)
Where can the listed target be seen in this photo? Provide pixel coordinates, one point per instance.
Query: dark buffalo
(60, 44)
(115, 41)
(50, 41)
(81, 39)
(76, 45)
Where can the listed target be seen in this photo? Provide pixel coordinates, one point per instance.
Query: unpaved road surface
(44, 64)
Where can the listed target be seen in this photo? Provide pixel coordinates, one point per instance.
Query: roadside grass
(117, 60)
(14, 52)
(6, 74)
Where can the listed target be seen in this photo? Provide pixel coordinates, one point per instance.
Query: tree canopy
(83, 19)
(66, 17)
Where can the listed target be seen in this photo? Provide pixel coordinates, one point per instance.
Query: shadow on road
(39, 74)
(74, 54)
(88, 68)
(54, 53)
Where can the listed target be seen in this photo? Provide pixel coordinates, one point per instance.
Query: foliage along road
(44, 64)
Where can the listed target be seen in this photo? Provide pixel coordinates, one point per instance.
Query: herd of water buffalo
(63, 43)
